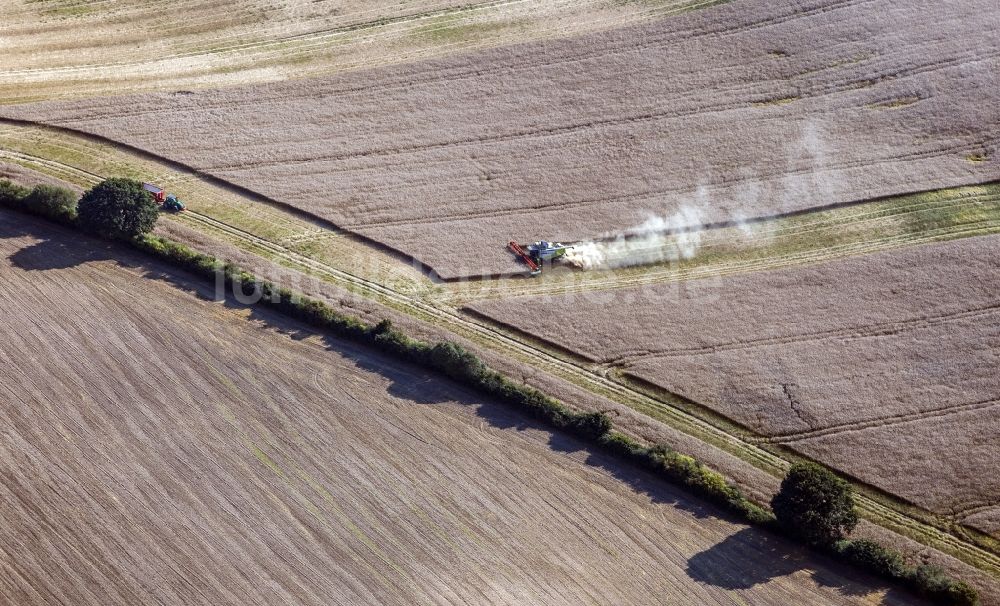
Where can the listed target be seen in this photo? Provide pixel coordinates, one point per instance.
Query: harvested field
(73, 48)
(822, 357)
(174, 451)
(955, 452)
(575, 138)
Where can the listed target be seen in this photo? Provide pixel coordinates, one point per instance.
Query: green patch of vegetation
(977, 158)
(68, 8)
(266, 460)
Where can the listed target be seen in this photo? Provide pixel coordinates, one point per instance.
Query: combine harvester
(534, 255)
(169, 202)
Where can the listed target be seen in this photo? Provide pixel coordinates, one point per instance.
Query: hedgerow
(464, 367)
(47, 201)
(926, 580)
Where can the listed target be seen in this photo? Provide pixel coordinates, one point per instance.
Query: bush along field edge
(464, 367)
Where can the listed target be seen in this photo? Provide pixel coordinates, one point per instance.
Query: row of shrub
(466, 368)
(926, 580)
(448, 358)
(48, 201)
(119, 209)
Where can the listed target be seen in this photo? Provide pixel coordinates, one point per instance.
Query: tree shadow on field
(406, 382)
(59, 254)
(655, 487)
(56, 247)
(753, 557)
(745, 559)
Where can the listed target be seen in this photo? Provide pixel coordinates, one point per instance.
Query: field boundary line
(691, 424)
(496, 340)
(882, 422)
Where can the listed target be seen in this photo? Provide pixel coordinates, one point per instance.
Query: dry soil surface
(162, 448)
(746, 109)
(883, 366)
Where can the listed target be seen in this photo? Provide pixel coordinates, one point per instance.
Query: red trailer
(158, 194)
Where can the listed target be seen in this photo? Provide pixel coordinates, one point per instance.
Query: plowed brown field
(740, 110)
(883, 366)
(159, 448)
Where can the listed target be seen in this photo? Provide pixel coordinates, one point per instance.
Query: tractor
(173, 204)
(167, 202)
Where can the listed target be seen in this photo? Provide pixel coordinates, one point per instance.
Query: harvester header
(534, 255)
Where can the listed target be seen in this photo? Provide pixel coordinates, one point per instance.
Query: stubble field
(79, 48)
(881, 366)
(161, 448)
(737, 111)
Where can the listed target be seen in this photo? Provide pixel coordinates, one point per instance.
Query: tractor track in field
(881, 422)
(498, 341)
(655, 13)
(619, 279)
(494, 337)
(291, 47)
(849, 333)
(729, 269)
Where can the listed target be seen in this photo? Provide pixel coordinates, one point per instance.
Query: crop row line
(329, 33)
(497, 340)
(846, 333)
(884, 421)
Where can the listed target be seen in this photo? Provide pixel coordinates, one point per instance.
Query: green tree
(815, 505)
(118, 208)
(457, 362)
